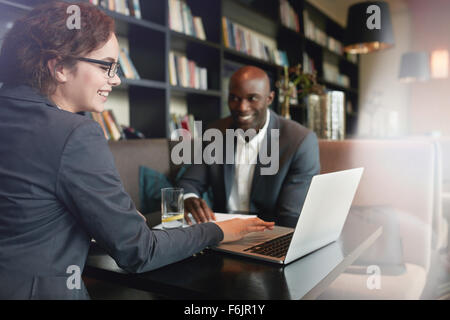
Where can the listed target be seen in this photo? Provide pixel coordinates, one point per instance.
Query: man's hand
(199, 210)
(236, 229)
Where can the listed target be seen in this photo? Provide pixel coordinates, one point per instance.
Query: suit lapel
(228, 177)
(228, 172)
(257, 189)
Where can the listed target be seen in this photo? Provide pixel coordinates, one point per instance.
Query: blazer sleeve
(305, 164)
(89, 186)
(195, 179)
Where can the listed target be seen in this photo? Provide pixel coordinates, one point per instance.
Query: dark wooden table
(213, 275)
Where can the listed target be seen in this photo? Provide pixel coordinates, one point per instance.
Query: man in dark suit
(243, 186)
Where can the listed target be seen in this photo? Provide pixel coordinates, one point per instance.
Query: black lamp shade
(414, 66)
(359, 38)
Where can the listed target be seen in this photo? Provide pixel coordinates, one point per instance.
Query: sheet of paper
(219, 217)
(228, 216)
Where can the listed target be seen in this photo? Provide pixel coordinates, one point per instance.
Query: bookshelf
(151, 99)
(345, 76)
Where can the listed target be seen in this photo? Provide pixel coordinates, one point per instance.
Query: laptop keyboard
(277, 247)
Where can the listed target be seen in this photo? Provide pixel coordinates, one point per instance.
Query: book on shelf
(127, 66)
(335, 45)
(225, 36)
(127, 7)
(288, 16)
(183, 70)
(135, 8)
(186, 122)
(308, 64)
(331, 74)
(110, 124)
(317, 35)
(192, 75)
(99, 119)
(132, 133)
(182, 20)
(172, 69)
(187, 19)
(175, 17)
(250, 42)
(107, 121)
(186, 73)
(199, 29)
(281, 58)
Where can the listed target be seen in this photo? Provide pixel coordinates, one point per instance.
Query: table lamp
(414, 66)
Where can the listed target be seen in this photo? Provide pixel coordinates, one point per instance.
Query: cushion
(387, 251)
(150, 184)
(207, 195)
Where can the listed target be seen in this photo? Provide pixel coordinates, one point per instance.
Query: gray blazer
(58, 189)
(276, 197)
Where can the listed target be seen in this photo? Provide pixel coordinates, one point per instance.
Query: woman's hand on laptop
(199, 210)
(236, 229)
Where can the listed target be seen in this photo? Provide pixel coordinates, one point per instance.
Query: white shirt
(244, 168)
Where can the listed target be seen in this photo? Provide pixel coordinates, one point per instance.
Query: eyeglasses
(113, 67)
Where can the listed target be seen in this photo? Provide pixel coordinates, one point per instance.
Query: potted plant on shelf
(294, 86)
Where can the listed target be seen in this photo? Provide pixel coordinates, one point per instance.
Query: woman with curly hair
(59, 187)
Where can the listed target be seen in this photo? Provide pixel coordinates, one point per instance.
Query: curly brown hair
(42, 35)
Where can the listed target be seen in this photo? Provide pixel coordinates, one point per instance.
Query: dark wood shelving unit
(325, 49)
(337, 86)
(151, 39)
(212, 93)
(127, 83)
(124, 21)
(175, 34)
(241, 57)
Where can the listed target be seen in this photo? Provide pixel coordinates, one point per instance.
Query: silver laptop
(321, 221)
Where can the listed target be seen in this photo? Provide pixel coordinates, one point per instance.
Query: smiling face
(249, 97)
(86, 86)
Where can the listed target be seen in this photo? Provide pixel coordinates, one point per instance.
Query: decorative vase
(285, 107)
(314, 105)
(326, 115)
